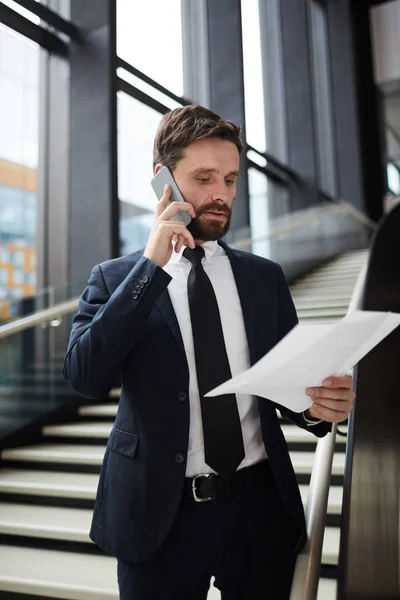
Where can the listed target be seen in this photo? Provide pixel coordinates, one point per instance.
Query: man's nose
(220, 192)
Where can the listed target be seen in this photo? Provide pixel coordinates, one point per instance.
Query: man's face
(206, 177)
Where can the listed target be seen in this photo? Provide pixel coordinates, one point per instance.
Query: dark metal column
(213, 70)
(344, 98)
(370, 112)
(93, 216)
(299, 100)
(369, 561)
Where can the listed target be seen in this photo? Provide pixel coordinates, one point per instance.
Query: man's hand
(159, 245)
(333, 401)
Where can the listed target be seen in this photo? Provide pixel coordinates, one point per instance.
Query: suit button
(182, 396)
(135, 295)
(179, 458)
(145, 279)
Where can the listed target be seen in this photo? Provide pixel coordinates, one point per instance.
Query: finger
(165, 198)
(327, 414)
(177, 228)
(334, 394)
(179, 244)
(175, 207)
(338, 405)
(338, 382)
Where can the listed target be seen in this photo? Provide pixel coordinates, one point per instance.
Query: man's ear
(157, 168)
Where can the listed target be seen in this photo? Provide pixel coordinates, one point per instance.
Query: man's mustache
(215, 208)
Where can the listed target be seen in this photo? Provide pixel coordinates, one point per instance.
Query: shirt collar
(210, 250)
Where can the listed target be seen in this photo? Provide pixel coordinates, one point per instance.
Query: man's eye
(230, 181)
(203, 180)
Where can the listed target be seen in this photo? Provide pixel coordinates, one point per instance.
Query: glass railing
(32, 349)
(302, 240)
(33, 342)
(12, 309)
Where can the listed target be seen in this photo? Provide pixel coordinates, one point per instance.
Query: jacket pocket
(123, 442)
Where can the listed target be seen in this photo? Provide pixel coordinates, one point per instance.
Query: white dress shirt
(218, 268)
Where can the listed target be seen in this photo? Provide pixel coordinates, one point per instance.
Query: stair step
(304, 296)
(327, 590)
(56, 453)
(102, 430)
(93, 455)
(77, 576)
(67, 575)
(321, 312)
(50, 522)
(335, 498)
(313, 304)
(82, 486)
(294, 434)
(303, 462)
(79, 430)
(73, 525)
(99, 410)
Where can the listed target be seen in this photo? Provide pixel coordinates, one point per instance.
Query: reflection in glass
(137, 125)
(323, 98)
(19, 143)
(259, 217)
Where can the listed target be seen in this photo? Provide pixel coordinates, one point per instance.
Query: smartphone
(158, 182)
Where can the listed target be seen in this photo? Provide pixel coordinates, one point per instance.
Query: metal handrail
(306, 575)
(341, 207)
(39, 317)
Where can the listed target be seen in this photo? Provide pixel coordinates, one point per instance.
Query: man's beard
(208, 229)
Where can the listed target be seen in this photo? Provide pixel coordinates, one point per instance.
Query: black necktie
(222, 431)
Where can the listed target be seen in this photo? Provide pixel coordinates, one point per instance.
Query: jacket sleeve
(107, 327)
(287, 320)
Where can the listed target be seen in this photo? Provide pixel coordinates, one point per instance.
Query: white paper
(309, 354)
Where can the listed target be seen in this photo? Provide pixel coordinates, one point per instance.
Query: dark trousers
(247, 542)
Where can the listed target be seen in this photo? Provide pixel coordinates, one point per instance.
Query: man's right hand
(159, 245)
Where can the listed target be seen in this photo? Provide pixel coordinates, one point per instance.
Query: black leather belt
(208, 486)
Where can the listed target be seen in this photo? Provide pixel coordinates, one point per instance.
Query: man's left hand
(333, 401)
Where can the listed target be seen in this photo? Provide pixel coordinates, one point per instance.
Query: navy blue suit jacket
(126, 329)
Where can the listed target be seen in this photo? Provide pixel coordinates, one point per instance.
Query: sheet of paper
(309, 354)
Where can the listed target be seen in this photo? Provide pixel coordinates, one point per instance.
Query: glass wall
(323, 98)
(137, 125)
(149, 37)
(19, 145)
(253, 78)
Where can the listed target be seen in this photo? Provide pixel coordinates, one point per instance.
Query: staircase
(47, 490)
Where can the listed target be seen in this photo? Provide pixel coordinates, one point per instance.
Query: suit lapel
(167, 310)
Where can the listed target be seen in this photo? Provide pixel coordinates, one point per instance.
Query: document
(310, 353)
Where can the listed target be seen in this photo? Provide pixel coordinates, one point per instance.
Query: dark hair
(182, 126)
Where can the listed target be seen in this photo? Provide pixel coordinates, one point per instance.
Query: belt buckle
(194, 491)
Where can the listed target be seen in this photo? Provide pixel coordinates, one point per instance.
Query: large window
(149, 37)
(323, 98)
(137, 124)
(252, 71)
(19, 143)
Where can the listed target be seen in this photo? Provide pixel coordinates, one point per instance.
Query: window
(137, 125)
(322, 98)
(149, 37)
(259, 217)
(252, 72)
(19, 144)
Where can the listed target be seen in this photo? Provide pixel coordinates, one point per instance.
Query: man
(194, 487)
